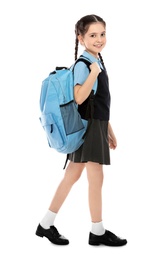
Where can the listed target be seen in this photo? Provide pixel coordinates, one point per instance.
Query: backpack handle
(57, 68)
(60, 68)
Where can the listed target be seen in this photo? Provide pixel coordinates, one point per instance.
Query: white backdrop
(35, 37)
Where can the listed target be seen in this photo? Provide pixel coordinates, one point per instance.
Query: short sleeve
(81, 72)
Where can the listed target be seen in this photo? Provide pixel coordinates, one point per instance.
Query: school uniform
(96, 146)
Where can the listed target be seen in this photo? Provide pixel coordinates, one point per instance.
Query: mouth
(98, 45)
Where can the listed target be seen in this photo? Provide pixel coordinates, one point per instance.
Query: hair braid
(76, 48)
(101, 59)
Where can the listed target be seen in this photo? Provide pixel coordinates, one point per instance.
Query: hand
(112, 142)
(95, 67)
(112, 138)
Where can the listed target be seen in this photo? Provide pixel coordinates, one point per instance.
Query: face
(95, 39)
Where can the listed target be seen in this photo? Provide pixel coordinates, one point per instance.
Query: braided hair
(82, 27)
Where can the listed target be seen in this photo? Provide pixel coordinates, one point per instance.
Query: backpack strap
(65, 162)
(87, 62)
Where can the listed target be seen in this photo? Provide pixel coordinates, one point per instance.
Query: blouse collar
(90, 57)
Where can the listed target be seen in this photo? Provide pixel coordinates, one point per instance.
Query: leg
(72, 174)
(46, 227)
(95, 179)
(99, 235)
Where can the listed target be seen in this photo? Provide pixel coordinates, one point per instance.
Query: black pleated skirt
(95, 147)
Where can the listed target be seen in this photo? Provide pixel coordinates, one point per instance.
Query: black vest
(101, 101)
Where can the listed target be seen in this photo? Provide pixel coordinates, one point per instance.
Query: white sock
(97, 228)
(48, 219)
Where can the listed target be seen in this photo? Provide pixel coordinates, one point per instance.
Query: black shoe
(52, 234)
(108, 239)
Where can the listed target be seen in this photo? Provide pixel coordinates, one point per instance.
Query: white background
(35, 37)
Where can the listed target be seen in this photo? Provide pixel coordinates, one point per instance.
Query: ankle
(97, 228)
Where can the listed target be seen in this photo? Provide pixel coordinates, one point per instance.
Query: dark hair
(82, 27)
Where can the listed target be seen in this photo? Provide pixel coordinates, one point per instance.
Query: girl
(90, 32)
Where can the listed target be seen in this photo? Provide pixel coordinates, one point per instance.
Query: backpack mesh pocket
(71, 118)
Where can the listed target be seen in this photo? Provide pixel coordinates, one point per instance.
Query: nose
(99, 39)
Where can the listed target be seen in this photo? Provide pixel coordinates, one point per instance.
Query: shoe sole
(98, 244)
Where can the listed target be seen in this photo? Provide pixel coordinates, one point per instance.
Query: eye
(103, 34)
(93, 35)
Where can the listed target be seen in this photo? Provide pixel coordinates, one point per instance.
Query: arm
(112, 138)
(81, 92)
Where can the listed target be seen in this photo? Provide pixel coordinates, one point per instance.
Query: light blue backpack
(60, 118)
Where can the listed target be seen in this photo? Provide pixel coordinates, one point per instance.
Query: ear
(80, 39)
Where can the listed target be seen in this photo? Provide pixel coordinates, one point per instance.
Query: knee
(73, 172)
(71, 178)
